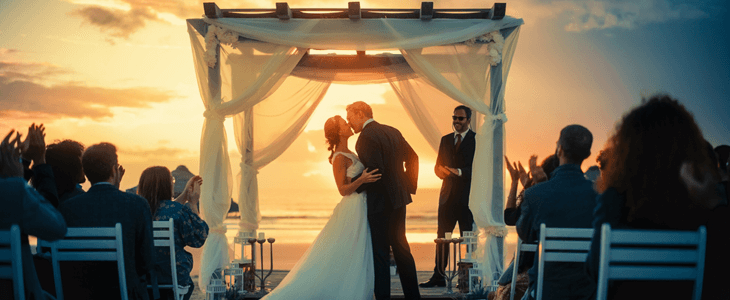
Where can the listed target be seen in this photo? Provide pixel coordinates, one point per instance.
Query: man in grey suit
(104, 205)
(383, 148)
(566, 200)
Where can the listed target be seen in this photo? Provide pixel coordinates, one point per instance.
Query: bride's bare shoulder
(341, 161)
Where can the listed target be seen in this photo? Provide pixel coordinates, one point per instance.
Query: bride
(339, 263)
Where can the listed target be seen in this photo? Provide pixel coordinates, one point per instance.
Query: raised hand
(10, 165)
(34, 146)
(514, 172)
(193, 189)
(702, 191)
(368, 177)
(524, 176)
(120, 174)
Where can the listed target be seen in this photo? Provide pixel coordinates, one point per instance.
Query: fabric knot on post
(210, 114)
(498, 231)
(220, 229)
(248, 168)
(501, 117)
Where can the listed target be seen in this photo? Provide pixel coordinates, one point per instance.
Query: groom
(383, 147)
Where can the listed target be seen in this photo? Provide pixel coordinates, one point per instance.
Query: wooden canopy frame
(361, 61)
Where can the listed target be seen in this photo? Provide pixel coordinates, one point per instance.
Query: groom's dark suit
(383, 147)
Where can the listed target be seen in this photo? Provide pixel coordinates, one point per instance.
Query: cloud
(118, 23)
(5, 51)
(600, 14)
(23, 93)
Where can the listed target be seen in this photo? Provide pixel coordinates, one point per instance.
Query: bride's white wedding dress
(339, 263)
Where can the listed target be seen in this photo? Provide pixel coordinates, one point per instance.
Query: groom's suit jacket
(383, 147)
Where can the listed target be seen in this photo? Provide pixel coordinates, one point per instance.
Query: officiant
(453, 166)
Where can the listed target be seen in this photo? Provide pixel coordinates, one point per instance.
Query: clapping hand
(368, 177)
(120, 173)
(536, 172)
(514, 172)
(702, 191)
(10, 165)
(193, 189)
(34, 146)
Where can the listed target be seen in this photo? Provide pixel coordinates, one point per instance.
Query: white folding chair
(561, 245)
(164, 236)
(11, 261)
(651, 255)
(88, 244)
(521, 247)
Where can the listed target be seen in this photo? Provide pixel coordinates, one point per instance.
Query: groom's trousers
(388, 230)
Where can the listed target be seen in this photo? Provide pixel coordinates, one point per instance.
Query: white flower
(227, 37)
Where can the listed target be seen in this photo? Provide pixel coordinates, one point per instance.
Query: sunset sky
(121, 71)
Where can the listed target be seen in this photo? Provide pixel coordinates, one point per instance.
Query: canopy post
(212, 11)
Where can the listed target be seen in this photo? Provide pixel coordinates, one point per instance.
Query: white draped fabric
(257, 81)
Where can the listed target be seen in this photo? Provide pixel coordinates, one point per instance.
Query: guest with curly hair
(657, 152)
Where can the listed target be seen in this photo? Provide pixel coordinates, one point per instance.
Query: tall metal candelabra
(450, 273)
(261, 277)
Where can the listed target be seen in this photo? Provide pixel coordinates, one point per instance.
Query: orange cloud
(23, 94)
(118, 23)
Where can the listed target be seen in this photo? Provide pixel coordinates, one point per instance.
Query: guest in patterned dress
(155, 185)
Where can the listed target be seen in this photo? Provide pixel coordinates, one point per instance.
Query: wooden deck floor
(396, 290)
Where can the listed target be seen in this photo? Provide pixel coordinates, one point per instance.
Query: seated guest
(24, 206)
(512, 212)
(104, 205)
(536, 175)
(566, 200)
(156, 185)
(645, 186)
(65, 158)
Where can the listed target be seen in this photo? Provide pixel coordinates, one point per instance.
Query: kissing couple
(350, 258)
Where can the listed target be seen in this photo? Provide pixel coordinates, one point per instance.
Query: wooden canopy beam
(355, 12)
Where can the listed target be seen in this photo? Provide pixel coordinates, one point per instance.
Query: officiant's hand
(368, 177)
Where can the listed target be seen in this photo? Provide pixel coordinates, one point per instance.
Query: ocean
(296, 216)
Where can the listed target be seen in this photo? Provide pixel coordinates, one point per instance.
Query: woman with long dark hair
(643, 186)
(156, 185)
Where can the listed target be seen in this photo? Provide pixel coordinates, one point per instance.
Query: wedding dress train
(339, 263)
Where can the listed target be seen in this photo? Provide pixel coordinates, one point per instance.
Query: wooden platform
(396, 290)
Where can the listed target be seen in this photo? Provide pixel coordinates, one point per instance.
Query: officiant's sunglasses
(458, 118)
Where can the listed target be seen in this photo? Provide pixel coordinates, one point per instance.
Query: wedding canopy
(258, 71)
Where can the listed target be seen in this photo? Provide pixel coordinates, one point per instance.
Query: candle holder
(450, 271)
(261, 277)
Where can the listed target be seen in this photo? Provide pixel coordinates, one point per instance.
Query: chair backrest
(11, 261)
(651, 255)
(164, 236)
(521, 247)
(88, 244)
(561, 245)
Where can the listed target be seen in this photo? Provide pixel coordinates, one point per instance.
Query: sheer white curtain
(241, 78)
(275, 123)
(462, 71)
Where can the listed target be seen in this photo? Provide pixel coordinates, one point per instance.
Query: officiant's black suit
(454, 195)
(383, 147)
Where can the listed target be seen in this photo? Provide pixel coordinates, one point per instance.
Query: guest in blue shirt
(156, 185)
(566, 200)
